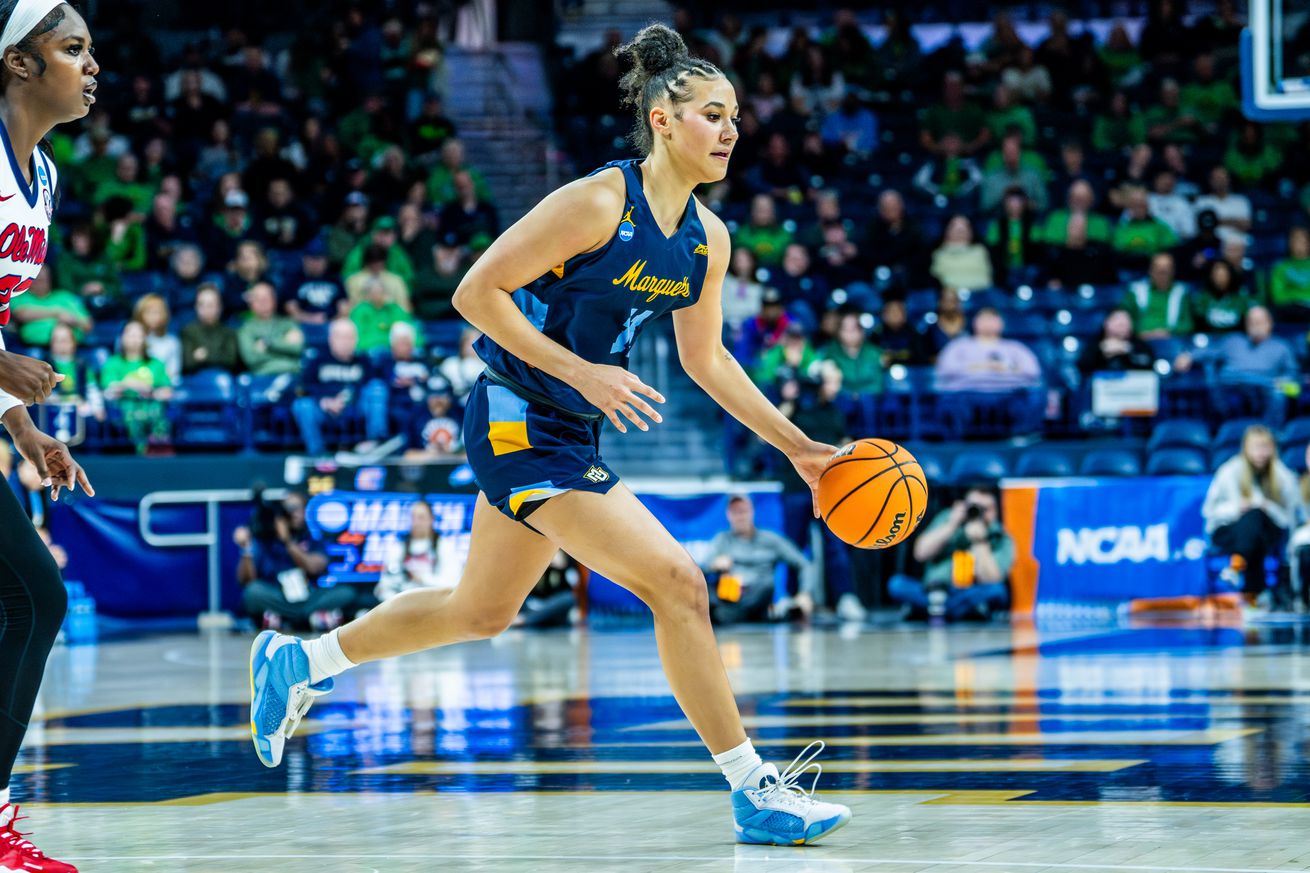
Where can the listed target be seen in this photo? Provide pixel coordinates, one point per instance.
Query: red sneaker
(18, 853)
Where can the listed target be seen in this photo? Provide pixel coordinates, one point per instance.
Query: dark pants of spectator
(372, 405)
(259, 597)
(752, 606)
(798, 513)
(33, 601)
(984, 597)
(1253, 536)
(552, 611)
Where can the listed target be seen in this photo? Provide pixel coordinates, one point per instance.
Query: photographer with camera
(281, 565)
(967, 557)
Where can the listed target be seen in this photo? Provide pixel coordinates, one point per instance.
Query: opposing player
(561, 297)
(48, 77)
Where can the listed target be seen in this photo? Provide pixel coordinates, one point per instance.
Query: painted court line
(768, 721)
(963, 765)
(761, 858)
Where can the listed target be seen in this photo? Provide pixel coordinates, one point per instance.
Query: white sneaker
(849, 608)
(778, 812)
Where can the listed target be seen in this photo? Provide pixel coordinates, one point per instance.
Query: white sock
(6, 811)
(325, 657)
(738, 764)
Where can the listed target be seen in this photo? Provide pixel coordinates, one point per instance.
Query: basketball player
(561, 297)
(47, 76)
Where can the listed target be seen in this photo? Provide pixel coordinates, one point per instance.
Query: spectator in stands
(1207, 97)
(1250, 507)
(208, 342)
(1233, 210)
(960, 261)
(838, 258)
(1139, 234)
(857, 359)
(764, 235)
(1250, 160)
(1007, 113)
(742, 563)
(944, 325)
(791, 357)
(1167, 120)
(801, 286)
(1194, 255)
(1254, 357)
(898, 340)
(416, 233)
(1119, 128)
(986, 361)
(742, 293)
(317, 296)
(1175, 210)
(1159, 304)
(1117, 348)
(161, 344)
(42, 308)
(1075, 258)
(281, 568)
(1079, 201)
(436, 279)
(405, 374)
(140, 388)
(84, 270)
(180, 283)
(391, 180)
(270, 343)
(232, 225)
(1012, 167)
(249, 267)
(778, 172)
(1072, 168)
(948, 174)
(435, 433)
(430, 130)
(463, 369)
(375, 272)
(852, 127)
(1219, 305)
(441, 182)
(423, 559)
(1233, 252)
(967, 558)
(348, 232)
(1029, 80)
(78, 387)
(167, 228)
(1134, 174)
(1289, 283)
(376, 313)
(468, 215)
(284, 223)
(382, 235)
(339, 386)
(896, 242)
(1013, 240)
(954, 115)
(762, 332)
(553, 601)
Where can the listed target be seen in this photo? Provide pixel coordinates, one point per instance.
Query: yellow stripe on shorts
(508, 436)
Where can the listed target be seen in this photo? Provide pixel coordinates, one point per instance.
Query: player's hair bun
(655, 49)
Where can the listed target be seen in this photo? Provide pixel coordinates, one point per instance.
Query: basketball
(872, 494)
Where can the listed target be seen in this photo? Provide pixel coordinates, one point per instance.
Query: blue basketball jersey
(595, 304)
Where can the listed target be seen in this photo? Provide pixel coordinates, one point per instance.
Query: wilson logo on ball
(872, 493)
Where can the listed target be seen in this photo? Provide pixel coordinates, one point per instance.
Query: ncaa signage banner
(1089, 541)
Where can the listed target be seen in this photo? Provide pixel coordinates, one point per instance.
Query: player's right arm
(578, 218)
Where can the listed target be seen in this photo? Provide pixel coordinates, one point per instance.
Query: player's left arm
(699, 330)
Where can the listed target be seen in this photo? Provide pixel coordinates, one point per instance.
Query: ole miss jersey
(25, 212)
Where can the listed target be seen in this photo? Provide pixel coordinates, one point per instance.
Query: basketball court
(991, 748)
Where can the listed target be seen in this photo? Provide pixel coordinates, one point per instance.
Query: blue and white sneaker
(778, 812)
(280, 693)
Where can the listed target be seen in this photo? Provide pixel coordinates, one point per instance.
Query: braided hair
(661, 68)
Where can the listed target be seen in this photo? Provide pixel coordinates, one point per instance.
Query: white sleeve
(7, 401)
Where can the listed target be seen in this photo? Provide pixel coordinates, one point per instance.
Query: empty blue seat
(1177, 461)
(1295, 435)
(1044, 461)
(1230, 432)
(973, 465)
(1110, 462)
(933, 470)
(1179, 433)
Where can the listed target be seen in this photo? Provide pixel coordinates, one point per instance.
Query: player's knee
(683, 589)
(49, 599)
(487, 623)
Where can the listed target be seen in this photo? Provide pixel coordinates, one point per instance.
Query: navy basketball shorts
(523, 453)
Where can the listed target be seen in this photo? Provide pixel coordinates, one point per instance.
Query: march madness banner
(1108, 540)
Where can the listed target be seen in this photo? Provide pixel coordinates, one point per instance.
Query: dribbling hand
(617, 393)
(810, 462)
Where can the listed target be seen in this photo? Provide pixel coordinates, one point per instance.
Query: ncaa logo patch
(627, 229)
(596, 475)
(40, 174)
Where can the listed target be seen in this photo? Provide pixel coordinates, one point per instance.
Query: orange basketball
(872, 494)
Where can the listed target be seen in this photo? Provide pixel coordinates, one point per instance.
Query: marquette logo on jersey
(653, 285)
(627, 227)
(596, 475)
(702, 249)
(23, 244)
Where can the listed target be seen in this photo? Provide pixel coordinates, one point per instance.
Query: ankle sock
(738, 764)
(325, 657)
(6, 811)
